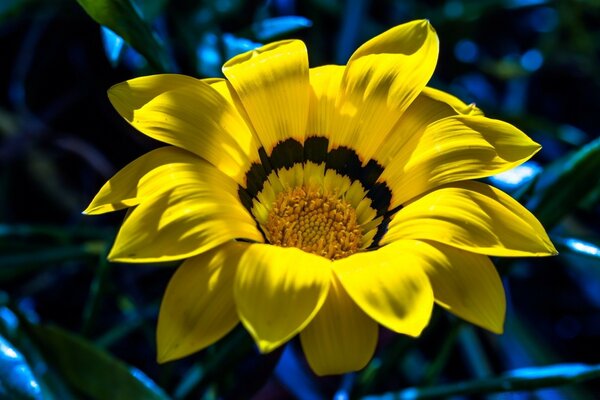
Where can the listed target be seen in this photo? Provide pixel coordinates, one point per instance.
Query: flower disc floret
(313, 221)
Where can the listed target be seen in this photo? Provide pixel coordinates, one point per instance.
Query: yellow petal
(390, 287)
(185, 221)
(457, 105)
(272, 84)
(278, 291)
(430, 106)
(464, 283)
(341, 338)
(381, 80)
(198, 307)
(474, 217)
(189, 114)
(453, 149)
(151, 174)
(323, 117)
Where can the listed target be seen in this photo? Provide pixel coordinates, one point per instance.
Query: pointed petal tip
(162, 358)
(92, 210)
(165, 354)
(416, 332)
(498, 330)
(275, 299)
(111, 254)
(551, 250)
(263, 345)
(266, 347)
(117, 255)
(548, 249)
(425, 23)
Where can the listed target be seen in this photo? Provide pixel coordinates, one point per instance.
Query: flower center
(315, 222)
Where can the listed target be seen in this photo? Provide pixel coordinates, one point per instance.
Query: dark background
(532, 63)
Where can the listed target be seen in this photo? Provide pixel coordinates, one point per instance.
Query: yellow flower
(319, 201)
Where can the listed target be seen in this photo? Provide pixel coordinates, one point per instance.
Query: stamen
(315, 222)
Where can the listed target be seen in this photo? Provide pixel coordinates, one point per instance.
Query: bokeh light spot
(532, 60)
(453, 9)
(466, 51)
(517, 176)
(544, 19)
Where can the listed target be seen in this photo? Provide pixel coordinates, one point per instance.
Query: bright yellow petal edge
(184, 199)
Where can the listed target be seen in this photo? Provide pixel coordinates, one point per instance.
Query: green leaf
(16, 378)
(91, 370)
(15, 265)
(564, 183)
(12, 8)
(122, 18)
(515, 380)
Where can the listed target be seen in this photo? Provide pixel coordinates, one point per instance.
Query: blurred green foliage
(73, 325)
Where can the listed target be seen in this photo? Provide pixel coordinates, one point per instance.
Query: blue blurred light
(209, 59)
(532, 60)
(146, 381)
(15, 374)
(572, 135)
(583, 247)
(466, 51)
(236, 45)
(113, 45)
(117, 51)
(8, 319)
(544, 19)
(7, 351)
(478, 88)
(524, 3)
(517, 176)
(343, 393)
(292, 373)
(224, 6)
(454, 9)
(133, 59)
(551, 371)
(270, 28)
(27, 307)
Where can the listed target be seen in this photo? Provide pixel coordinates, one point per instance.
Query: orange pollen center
(315, 222)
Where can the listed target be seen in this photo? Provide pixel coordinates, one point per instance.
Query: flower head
(319, 201)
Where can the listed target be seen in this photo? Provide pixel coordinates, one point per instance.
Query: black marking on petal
(255, 179)
(393, 211)
(344, 161)
(347, 162)
(370, 173)
(381, 197)
(245, 198)
(383, 226)
(287, 153)
(381, 230)
(315, 149)
(266, 164)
